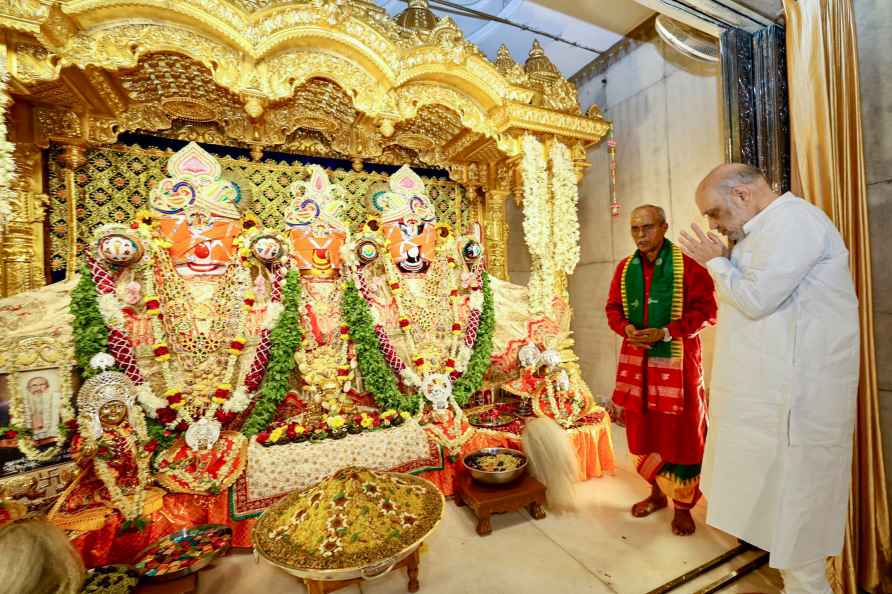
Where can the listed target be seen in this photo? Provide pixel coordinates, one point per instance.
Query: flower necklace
(570, 418)
(20, 414)
(453, 445)
(233, 301)
(130, 506)
(459, 351)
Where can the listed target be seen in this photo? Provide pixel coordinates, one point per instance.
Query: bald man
(777, 466)
(660, 300)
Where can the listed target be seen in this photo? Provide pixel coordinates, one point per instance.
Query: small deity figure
(546, 384)
(111, 451)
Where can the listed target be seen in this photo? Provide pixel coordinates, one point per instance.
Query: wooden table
(486, 500)
(410, 563)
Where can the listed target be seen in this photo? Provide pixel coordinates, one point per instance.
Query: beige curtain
(828, 168)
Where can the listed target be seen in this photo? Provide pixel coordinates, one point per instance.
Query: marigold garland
(377, 375)
(285, 338)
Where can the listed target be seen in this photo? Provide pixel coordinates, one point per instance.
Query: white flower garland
(565, 216)
(20, 416)
(537, 224)
(7, 164)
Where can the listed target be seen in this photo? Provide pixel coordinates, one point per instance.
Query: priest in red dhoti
(660, 301)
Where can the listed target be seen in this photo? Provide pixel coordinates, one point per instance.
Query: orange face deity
(197, 213)
(314, 225)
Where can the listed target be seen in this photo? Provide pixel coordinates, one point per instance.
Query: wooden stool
(410, 563)
(183, 585)
(486, 500)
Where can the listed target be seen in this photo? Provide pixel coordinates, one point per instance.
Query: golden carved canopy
(262, 70)
(327, 78)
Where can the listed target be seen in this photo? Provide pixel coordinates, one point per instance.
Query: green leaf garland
(380, 379)
(377, 376)
(88, 327)
(470, 382)
(285, 338)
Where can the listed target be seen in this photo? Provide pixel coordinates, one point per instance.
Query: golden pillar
(496, 233)
(71, 158)
(21, 251)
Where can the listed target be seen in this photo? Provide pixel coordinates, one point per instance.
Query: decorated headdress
(316, 200)
(407, 199)
(195, 181)
(103, 388)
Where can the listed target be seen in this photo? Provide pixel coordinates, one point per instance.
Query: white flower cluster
(565, 216)
(537, 224)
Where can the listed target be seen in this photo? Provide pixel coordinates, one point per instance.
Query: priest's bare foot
(655, 502)
(683, 523)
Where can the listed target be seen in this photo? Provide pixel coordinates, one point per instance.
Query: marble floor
(598, 549)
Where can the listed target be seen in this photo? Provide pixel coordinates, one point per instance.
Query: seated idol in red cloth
(660, 300)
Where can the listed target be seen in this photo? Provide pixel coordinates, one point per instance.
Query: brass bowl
(495, 477)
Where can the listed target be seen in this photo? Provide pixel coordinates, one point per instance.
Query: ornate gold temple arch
(337, 79)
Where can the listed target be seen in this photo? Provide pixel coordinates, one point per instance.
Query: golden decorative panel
(115, 181)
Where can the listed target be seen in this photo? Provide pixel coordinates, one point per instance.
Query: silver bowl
(496, 477)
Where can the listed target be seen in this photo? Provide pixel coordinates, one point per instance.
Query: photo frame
(36, 405)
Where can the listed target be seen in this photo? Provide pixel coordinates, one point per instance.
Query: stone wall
(874, 22)
(667, 112)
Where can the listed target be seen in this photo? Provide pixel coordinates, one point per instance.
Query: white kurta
(777, 466)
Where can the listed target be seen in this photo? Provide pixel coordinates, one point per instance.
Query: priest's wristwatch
(667, 336)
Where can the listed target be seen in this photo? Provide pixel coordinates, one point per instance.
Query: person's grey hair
(36, 557)
(661, 214)
(741, 175)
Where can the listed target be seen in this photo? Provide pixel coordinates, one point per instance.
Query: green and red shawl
(657, 372)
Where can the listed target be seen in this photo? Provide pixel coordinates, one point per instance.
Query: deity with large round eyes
(408, 220)
(198, 213)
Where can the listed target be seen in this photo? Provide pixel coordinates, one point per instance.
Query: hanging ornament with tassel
(611, 150)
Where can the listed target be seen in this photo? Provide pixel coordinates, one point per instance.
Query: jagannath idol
(318, 233)
(418, 305)
(188, 322)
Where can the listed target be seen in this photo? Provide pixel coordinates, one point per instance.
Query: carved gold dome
(539, 67)
(504, 61)
(417, 16)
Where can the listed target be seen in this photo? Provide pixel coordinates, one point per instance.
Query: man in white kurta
(777, 465)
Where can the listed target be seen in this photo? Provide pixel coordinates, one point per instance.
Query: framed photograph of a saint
(41, 395)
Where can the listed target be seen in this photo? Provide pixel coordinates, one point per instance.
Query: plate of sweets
(111, 579)
(491, 418)
(184, 552)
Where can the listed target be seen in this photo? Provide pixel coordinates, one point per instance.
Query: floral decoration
(565, 216)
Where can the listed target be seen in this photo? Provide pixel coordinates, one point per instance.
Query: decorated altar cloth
(294, 465)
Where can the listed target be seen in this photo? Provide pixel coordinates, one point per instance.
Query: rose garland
(565, 215)
(91, 338)
(378, 375)
(285, 338)
(537, 223)
(7, 164)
